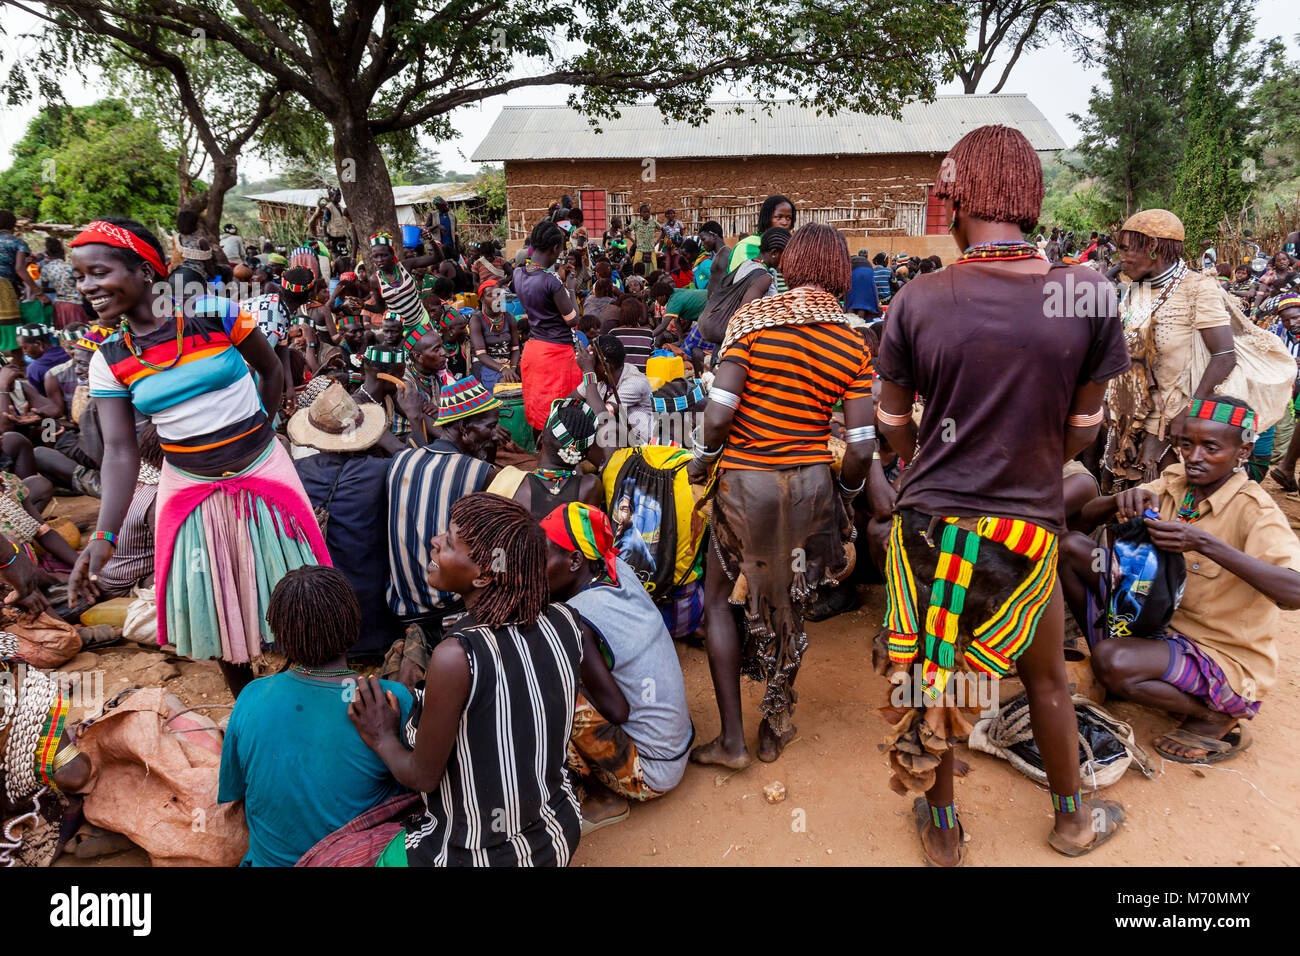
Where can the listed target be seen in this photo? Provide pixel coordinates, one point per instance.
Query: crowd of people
(472, 499)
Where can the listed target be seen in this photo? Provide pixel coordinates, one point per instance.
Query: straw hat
(335, 422)
(1156, 223)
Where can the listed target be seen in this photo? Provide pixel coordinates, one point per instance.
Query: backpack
(723, 303)
(1143, 584)
(657, 530)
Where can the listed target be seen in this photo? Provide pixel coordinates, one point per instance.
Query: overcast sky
(1055, 83)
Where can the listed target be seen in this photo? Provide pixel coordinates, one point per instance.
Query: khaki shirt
(1226, 617)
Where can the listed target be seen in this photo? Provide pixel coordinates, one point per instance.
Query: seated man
(631, 728)
(290, 752)
(1219, 655)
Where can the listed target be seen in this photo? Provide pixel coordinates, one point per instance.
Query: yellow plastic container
(660, 369)
(111, 612)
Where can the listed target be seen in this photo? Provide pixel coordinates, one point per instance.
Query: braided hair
(817, 255)
(546, 235)
(151, 452)
(302, 631)
(1168, 250)
(502, 533)
(993, 173)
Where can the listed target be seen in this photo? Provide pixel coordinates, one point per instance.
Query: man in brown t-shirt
(1011, 357)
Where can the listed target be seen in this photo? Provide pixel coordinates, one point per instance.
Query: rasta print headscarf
(582, 528)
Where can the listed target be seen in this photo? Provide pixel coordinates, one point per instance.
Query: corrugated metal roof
(402, 195)
(558, 132)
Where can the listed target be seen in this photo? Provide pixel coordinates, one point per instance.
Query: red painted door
(936, 217)
(594, 218)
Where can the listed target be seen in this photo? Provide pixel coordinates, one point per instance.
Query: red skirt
(548, 372)
(66, 313)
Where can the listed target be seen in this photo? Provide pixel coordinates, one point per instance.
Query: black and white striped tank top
(505, 797)
(403, 297)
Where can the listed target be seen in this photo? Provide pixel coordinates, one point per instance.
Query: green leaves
(100, 160)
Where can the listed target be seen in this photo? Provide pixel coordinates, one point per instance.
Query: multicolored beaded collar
(1002, 250)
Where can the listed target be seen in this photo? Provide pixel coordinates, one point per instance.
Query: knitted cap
(464, 399)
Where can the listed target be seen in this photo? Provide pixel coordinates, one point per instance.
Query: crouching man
(1219, 655)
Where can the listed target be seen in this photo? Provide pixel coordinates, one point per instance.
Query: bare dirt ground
(839, 809)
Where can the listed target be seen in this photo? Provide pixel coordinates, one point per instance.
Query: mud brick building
(868, 175)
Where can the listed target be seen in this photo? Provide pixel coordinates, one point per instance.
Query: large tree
(1131, 137)
(386, 68)
(76, 164)
(1001, 30)
(200, 94)
(1218, 170)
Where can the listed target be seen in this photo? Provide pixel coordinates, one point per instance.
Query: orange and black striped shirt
(795, 375)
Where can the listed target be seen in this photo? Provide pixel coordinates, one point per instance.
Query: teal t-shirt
(702, 273)
(294, 758)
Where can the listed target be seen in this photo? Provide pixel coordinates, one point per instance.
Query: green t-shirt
(687, 303)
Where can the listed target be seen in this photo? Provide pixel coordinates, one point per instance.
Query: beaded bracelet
(17, 552)
(588, 378)
(108, 536)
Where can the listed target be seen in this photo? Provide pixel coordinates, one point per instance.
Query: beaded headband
(571, 449)
(384, 357)
(32, 332)
(1219, 412)
(292, 287)
(382, 239)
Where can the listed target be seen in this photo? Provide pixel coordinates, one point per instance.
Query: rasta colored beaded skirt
(222, 546)
(962, 594)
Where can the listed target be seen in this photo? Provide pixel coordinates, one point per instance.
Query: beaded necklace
(494, 326)
(321, 672)
(1187, 512)
(130, 343)
(1001, 250)
(555, 474)
(422, 381)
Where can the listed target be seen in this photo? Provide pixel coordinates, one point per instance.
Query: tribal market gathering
(860, 442)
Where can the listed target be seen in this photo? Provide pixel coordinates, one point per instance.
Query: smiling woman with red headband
(232, 514)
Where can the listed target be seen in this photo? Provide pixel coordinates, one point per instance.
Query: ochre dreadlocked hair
(1170, 250)
(501, 534)
(993, 173)
(817, 255)
(314, 615)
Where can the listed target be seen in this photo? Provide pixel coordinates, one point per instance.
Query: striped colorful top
(205, 406)
(796, 374)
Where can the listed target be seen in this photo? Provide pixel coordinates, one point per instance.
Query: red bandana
(111, 235)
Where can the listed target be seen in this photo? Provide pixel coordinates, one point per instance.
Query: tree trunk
(364, 180)
(225, 175)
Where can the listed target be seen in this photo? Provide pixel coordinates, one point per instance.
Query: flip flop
(589, 827)
(1114, 817)
(1287, 482)
(1216, 748)
(921, 811)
